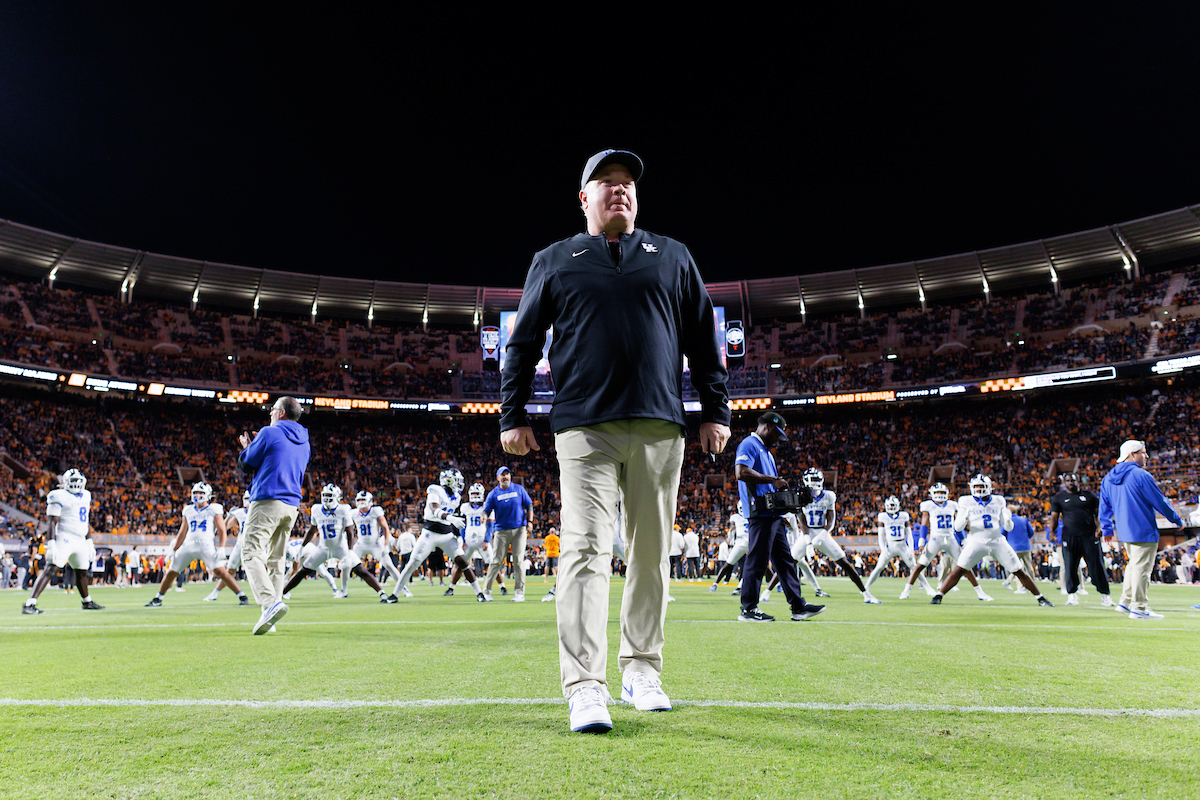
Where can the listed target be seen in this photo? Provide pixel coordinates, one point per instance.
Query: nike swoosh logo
(581, 252)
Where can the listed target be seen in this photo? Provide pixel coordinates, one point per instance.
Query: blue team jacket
(1128, 499)
(279, 456)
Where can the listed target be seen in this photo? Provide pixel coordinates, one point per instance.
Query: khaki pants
(1026, 564)
(1135, 588)
(635, 462)
(501, 540)
(264, 542)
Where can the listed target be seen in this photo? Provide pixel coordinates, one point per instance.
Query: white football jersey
(292, 552)
(941, 517)
(741, 529)
(201, 522)
(367, 524)
(72, 511)
(444, 500)
(239, 515)
(477, 524)
(895, 526)
(983, 520)
(819, 513)
(331, 524)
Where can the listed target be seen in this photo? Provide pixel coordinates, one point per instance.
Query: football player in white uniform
(739, 544)
(895, 533)
(69, 540)
(333, 522)
(820, 515)
(373, 537)
(234, 518)
(202, 520)
(475, 533)
(937, 515)
(985, 516)
(442, 525)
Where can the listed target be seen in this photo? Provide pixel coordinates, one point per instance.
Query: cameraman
(755, 471)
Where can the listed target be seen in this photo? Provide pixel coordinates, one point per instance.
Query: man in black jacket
(626, 306)
(1079, 512)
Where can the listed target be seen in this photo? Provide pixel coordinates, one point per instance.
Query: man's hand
(713, 437)
(519, 441)
(779, 483)
(246, 438)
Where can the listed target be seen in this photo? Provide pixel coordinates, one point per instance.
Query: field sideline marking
(343, 705)
(1140, 627)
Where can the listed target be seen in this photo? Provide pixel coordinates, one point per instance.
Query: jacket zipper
(620, 252)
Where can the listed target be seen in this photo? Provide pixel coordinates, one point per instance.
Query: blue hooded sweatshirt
(278, 456)
(1129, 497)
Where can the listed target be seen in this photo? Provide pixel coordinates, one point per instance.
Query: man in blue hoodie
(1128, 499)
(276, 457)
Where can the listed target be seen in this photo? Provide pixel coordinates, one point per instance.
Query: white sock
(475, 586)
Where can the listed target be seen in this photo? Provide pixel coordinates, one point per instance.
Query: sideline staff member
(514, 516)
(1128, 499)
(755, 471)
(626, 306)
(1080, 537)
(276, 456)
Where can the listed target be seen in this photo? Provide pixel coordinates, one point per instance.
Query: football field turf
(445, 697)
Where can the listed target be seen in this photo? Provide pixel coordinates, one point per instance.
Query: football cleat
(519, 597)
(821, 593)
(937, 599)
(712, 588)
(30, 608)
(243, 601)
(1072, 600)
(388, 599)
(404, 590)
(483, 598)
(92, 605)
(1042, 601)
(212, 598)
(754, 615)
(449, 592)
(503, 590)
(549, 597)
(871, 599)
(904, 593)
(155, 602)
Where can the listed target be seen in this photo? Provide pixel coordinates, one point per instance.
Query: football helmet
(814, 479)
(73, 481)
(201, 493)
(892, 505)
(476, 493)
(981, 486)
(939, 492)
(453, 479)
(331, 497)
(364, 500)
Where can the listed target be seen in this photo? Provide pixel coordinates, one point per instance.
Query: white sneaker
(287, 595)
(765, 596)
(1082, 591)
(871, 599)
(519, 597)
(273, 614)
(1072, 600)
(930, 591)
(907, 589)
(984, 596)
(1147, 614)
(179, 588)
(644, 691)
(670, 599)
(589, 713)
(212, 598)
(1006, 585)
(404, 591)
(549, 597)
(1062, 591)
(1020, 590)
(1105, 601)
(486, 596)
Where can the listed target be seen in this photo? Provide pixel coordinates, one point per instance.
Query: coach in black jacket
(626, 307)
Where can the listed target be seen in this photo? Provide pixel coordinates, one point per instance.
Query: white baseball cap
(1129, 448)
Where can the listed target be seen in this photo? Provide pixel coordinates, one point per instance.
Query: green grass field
(968, 699)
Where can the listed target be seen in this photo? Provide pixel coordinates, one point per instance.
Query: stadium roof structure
(1134, 246)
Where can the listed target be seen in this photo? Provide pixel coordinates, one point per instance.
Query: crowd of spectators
(409, 362)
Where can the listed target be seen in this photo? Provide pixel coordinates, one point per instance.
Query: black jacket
(621, 329)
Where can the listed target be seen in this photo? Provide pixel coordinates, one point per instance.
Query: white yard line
(344, 705)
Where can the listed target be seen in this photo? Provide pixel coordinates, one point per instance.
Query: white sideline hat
(1129, 448)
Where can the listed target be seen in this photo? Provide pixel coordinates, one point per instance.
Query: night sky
(448, 148)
